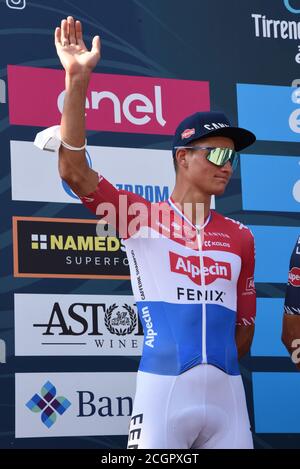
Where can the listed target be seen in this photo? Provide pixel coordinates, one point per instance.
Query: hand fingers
(57, 37)
(71, 30)
(64, 33)
(78, 32)
(96, 45)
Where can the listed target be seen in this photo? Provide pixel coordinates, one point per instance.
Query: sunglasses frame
(233, 159)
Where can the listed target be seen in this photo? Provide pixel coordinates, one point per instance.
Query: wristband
(50, 140)
(70, 147)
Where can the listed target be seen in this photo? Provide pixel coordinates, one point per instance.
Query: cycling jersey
(191, 287)
(292, 297)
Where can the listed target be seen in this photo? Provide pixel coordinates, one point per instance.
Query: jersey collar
(179, 212)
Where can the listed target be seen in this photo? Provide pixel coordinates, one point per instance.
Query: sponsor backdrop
(70, 339)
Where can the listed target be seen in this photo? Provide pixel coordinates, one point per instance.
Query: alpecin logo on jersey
(294, 277)
(190, 266)
(250, 286)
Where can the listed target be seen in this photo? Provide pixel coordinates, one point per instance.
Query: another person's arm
(291, 318)
(246, 298)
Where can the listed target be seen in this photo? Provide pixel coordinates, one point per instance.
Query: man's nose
(227, 168)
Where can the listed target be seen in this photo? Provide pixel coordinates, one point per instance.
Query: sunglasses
(217, 156)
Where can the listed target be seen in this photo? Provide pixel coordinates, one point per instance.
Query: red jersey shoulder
(239, 232)
(232, 225)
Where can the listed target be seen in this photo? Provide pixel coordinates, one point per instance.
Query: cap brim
(242, 138)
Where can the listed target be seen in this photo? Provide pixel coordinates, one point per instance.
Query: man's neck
(194, 205)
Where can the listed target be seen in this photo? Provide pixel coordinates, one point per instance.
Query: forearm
(243, 349)
(73, 116)
(73, 125)
(291, 336)
(73, 167)
(243, 338)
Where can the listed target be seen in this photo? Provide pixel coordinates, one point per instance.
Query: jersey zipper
(199, 241)
(204, 351)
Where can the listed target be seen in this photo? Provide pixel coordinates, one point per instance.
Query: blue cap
(210, 124)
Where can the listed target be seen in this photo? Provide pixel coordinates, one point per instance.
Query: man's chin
(219, 191)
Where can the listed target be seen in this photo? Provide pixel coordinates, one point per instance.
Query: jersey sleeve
(246, 293)
(117, 207)
(292, 296)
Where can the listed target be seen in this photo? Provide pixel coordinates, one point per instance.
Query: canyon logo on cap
(209, 124)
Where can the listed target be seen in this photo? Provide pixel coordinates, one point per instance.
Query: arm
(291, 318)
(291, 336)
(246, 297)
(78, 63)
(243, 339)
(93, 191)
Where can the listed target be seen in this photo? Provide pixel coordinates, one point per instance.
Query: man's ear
(181, 158)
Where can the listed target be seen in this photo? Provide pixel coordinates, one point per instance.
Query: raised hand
(71, 49)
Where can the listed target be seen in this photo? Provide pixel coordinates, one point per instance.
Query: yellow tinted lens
(220, 156)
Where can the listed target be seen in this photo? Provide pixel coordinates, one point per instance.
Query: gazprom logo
(48, 404)
(152, 193)
(288, 6)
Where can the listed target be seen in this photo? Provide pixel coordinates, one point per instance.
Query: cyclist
(291, 317)
(191, 271)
